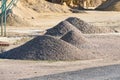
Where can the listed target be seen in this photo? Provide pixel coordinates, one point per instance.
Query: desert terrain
(29, 24)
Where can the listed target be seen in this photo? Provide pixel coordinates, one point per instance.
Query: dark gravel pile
(60, 29)
(77, 39)
(110, 5)
(47, 48)
(74, 37)
(84, 27)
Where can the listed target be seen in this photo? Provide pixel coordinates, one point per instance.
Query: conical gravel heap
(84, 27)
(60, 29)
(77, 39)
(110, 5)
(47, 48)
(74, 37)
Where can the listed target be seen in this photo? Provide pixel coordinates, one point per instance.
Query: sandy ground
(47, 20)
(110, 72)
(13, 70)
(16, 69)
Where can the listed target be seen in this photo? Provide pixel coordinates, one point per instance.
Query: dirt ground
(17, 69)
(47, 20)
(14, 69)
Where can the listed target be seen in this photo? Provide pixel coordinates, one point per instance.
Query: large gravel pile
(72, 45)
(85, 27)
(111, 5)
(60, 29)
(47, 48)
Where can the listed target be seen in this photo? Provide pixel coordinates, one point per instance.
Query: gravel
(47, 48)
(87, 28)
(60, 29)
(110, 5)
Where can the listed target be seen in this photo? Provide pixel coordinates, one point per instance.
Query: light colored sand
(47, 20)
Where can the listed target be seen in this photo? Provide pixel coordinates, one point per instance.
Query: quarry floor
(99, 69)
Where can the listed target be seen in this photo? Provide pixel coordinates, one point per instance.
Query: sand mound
(20, 15)
(24, 9)
(111, 5)
(14, 20)
(47, 48)
(84, 27)
(31, 2)
(44, 6)
(60, 29)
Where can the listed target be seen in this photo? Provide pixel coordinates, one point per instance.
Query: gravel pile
(84, 27)
(76, 38)
(42, 6)
(62, 42)
(61, 29)
(110, 5)
(47, 48)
